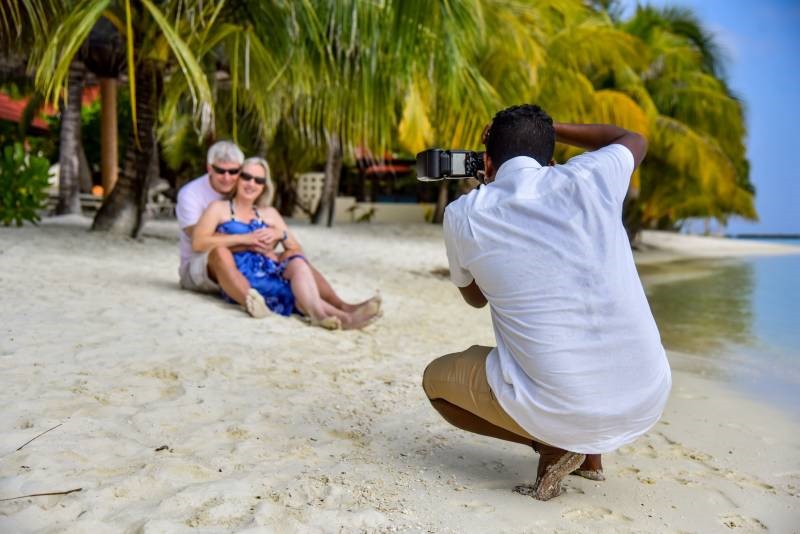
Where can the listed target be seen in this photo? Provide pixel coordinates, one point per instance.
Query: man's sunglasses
(259, 179)
(220, 170)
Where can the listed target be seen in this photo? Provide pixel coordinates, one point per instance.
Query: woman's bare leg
(327, 293)
(222, 268)
(306, 293)
(310, 302)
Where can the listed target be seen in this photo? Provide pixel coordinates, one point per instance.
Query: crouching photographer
(579, 369)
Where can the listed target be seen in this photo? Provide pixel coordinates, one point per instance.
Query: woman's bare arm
(205, 236)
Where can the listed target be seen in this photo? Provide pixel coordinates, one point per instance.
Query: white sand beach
(180, 413)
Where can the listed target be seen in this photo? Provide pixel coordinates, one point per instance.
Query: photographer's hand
(594, 136)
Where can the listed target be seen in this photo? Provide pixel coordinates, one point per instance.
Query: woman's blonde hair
(265, 198)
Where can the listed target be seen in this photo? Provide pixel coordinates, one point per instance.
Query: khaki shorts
(194, 274)
(460, 379)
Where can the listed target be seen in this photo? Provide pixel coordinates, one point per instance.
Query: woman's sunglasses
(220, 170)
(259, 179)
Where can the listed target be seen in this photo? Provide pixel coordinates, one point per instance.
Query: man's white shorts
(194, 274)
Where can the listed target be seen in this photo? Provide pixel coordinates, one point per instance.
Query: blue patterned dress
(264, 274)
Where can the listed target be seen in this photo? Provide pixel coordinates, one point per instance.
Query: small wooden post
(108, 133)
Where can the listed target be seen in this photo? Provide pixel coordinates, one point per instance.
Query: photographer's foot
(591, 468)
(548, 485)
(554, 465)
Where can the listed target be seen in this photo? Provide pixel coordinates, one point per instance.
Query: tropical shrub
(23, 185)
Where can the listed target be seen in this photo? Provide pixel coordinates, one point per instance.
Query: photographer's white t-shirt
(579, 362)
(193, 199)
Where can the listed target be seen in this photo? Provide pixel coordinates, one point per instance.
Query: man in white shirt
(579, 368)
(210, 271)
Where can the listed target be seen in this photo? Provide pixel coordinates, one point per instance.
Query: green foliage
(697, 164)
(91, 126)
(284, 78)
(23, 185)
(90, 131)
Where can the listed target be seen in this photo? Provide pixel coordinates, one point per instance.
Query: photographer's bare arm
(595, 136)
(473, 295)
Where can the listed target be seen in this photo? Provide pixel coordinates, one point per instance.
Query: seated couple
(229, 239)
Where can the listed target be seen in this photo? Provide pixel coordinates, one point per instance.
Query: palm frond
(53, 68)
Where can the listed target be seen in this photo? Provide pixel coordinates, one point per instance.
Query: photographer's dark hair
(524, 130)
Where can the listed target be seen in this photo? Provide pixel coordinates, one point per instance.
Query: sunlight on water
(739, 318)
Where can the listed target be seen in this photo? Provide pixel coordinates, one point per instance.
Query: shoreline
(664, 247)
(272, 425)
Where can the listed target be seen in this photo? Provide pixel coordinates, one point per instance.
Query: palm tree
(343, 74)
(154, 46)
(70, 142)
(21, 22)
(103, 54)
(448, 97)
(697, 166)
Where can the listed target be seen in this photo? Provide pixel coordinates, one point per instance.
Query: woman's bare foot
(373, 302)
(254, 304)
(363, 316)
(328, 323)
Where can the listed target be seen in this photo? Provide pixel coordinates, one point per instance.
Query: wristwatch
(285, 236)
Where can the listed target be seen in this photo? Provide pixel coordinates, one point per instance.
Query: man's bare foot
(548, 484)
(328, 323)
(554, 465)
(591, 468)
(255, 305)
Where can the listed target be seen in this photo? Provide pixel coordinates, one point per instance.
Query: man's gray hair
(224, 151)
(269, 189)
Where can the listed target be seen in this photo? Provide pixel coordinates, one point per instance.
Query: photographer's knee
(427, 379)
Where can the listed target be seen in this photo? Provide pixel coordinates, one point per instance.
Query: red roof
(12, 110)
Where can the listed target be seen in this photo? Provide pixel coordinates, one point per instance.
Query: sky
(762, 42)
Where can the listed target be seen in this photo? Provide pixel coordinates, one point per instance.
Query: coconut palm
(22, 21)
(153, 48)
(697, 165)
(546, 52)
(658, 74)
(341, 74)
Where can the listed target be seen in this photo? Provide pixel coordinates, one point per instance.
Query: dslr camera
(437, 164)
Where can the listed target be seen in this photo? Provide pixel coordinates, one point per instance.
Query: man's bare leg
(222, 269)
(466, 420)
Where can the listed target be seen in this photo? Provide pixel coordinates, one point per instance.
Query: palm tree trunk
(84, 170)
(69, 200)
(122, 211)
(333, 169)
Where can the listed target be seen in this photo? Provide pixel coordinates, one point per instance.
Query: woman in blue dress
(285, 280)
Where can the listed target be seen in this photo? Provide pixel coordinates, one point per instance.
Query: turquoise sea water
(739, 319)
